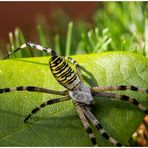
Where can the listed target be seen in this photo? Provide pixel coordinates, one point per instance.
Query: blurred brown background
(13, 14)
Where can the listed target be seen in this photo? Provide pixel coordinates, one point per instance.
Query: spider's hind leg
(86, 124)
(49, 102)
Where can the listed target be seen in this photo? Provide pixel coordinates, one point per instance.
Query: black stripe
(64, 79)
(123, 97)
(53, 58)
(54, 54)
(30, 88)
(98, 126)
(66, 76)
(7, 89)
(69, 58)
(61, 66)
(78, 66)
(72, 79)
(34, 45)
(2, 90)
(62, 72)
(146, 111)
(27, 118)
(105, 135)
(74, 62)
(93, 139)
(43, 105)
(89, 130)
(146, 91)
(57, 72)
(54, 65)
(56, 62)
(44, 49)
(134, 88)
(35, 110)
(118, 144)
(52, 101)
(19, 88)
(122, 87)
(67, 73)
(135, 102)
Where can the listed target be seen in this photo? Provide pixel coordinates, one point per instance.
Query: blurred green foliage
(117, 26)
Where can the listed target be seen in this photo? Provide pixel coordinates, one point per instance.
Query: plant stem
(69, 36)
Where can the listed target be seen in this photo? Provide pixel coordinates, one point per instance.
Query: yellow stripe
(52, 61)
(72, 76)
(72, 80)
(59, 74)
(53, 66)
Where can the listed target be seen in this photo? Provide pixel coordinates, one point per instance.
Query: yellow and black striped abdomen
(63, 73)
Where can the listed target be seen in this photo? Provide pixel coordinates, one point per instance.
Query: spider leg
(99, 127)
(32, 45)
(32, 89)
(77, 67)
(120, 87)
(86, 124)
(124, 98)
(49, 102)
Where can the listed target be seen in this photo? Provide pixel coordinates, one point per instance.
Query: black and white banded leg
(49, 102)
(33, 89)
(120, 87)
(31, 45)
(98, 126)
(71, 60)
(86, 124)
(124, 98)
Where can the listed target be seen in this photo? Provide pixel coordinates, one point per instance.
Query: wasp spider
(81, 94)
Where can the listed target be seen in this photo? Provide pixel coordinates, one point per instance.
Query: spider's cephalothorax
(81, 94)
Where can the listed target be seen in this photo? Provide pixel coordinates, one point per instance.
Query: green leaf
(59, 124)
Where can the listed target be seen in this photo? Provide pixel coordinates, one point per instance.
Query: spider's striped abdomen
(63, 73)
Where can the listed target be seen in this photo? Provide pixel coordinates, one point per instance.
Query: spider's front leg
(98, 126)
(32, 89)
(49, 102)
(31, 45)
